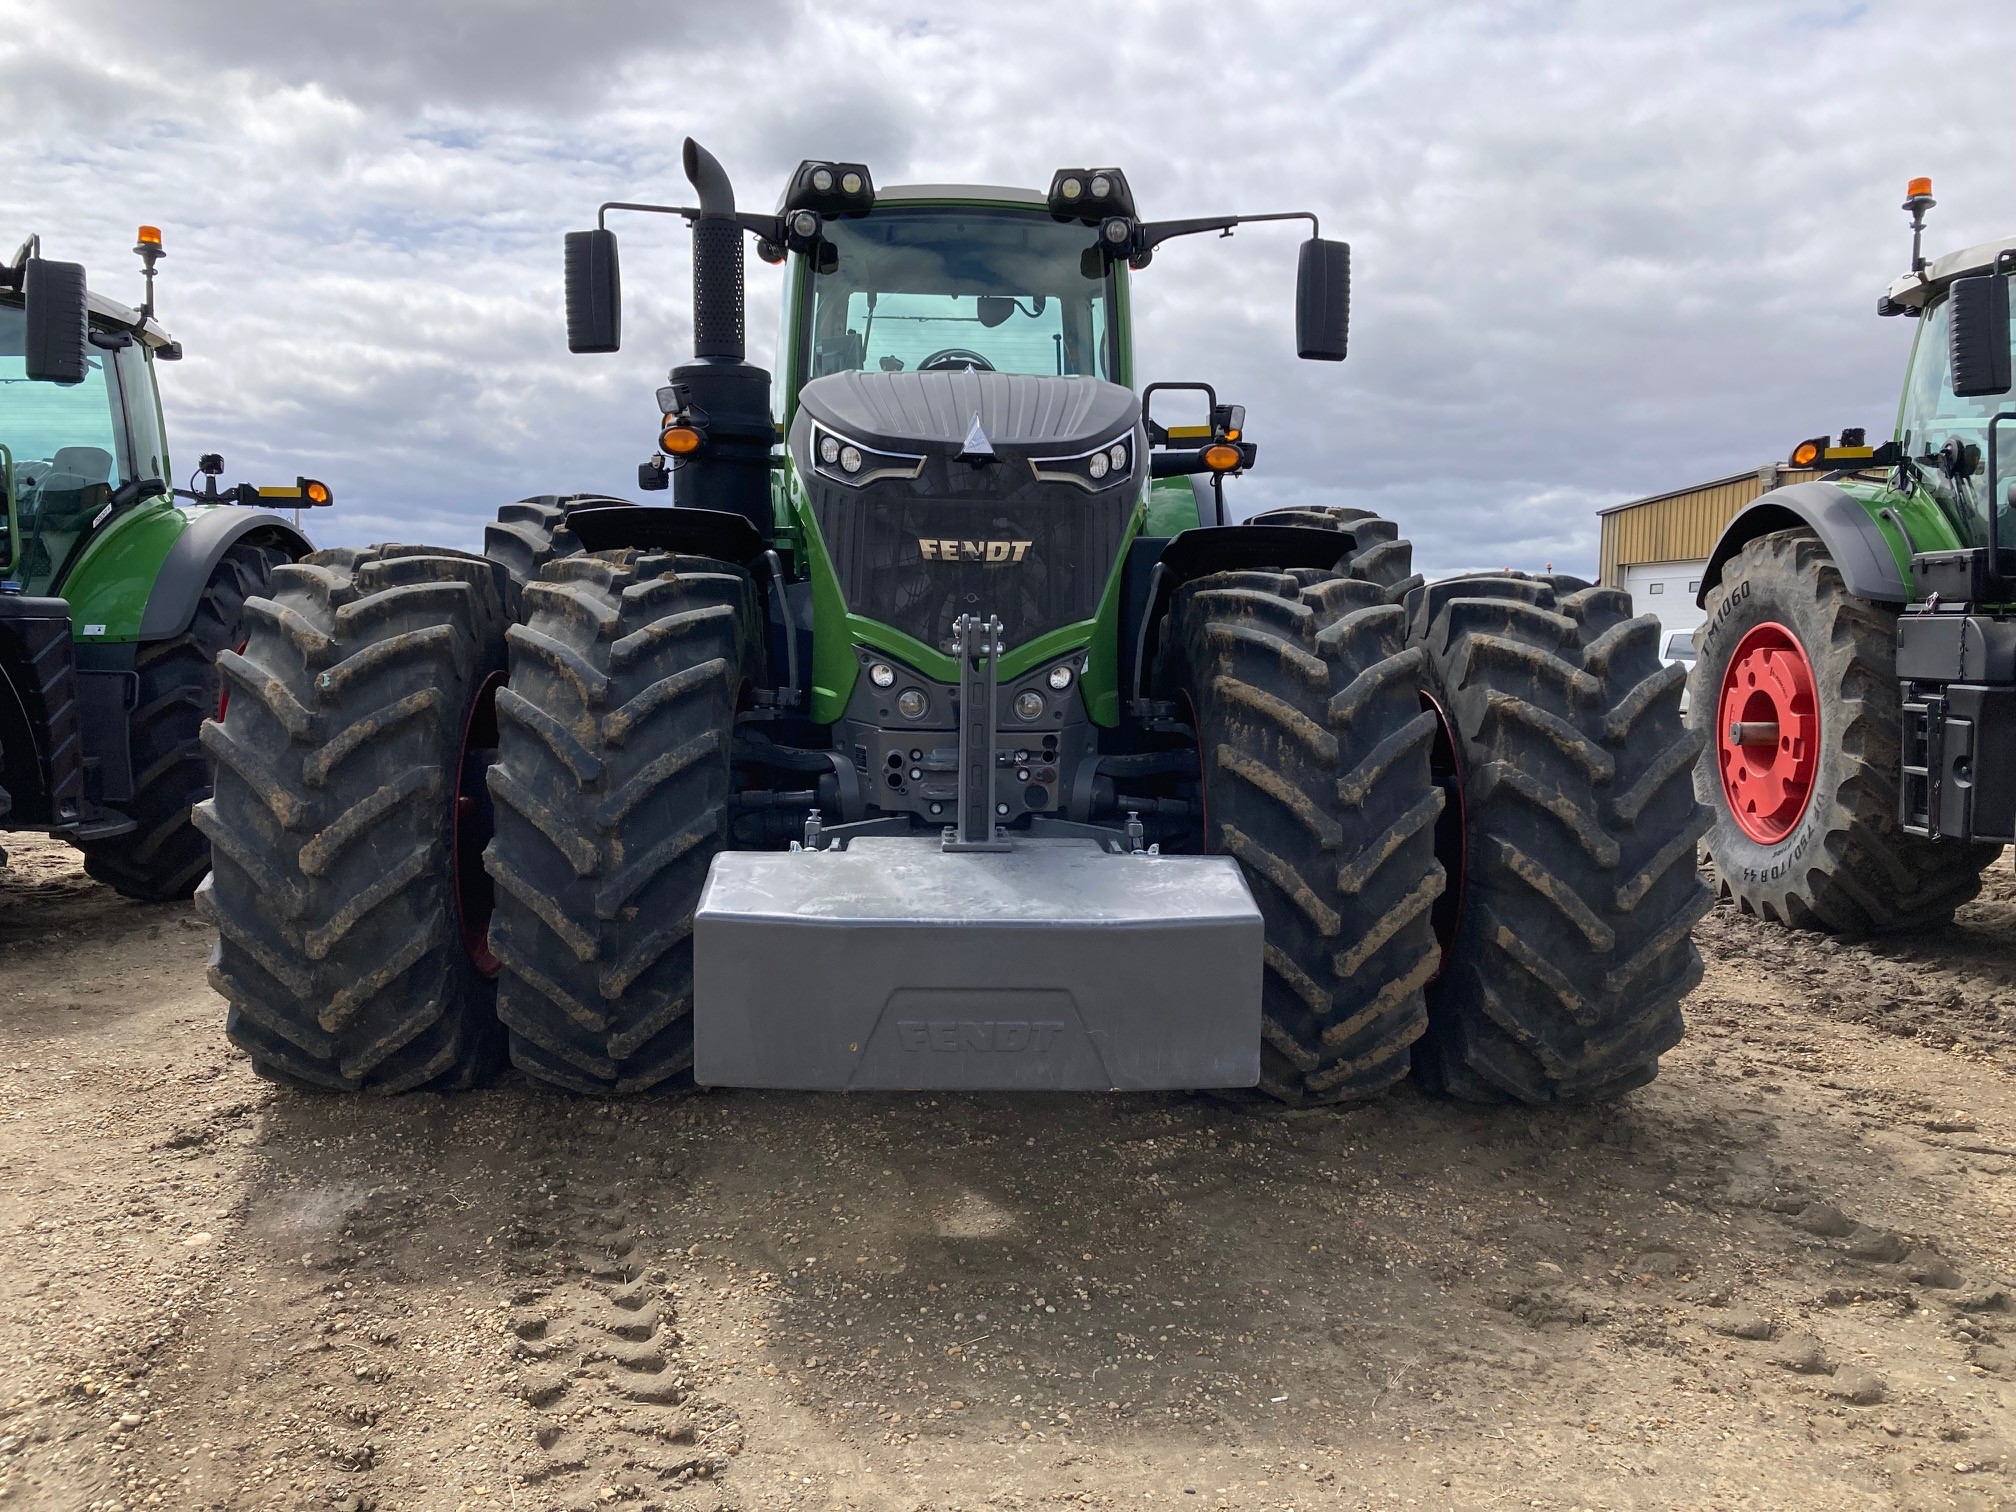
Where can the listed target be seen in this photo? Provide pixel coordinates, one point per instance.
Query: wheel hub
(1767, 732)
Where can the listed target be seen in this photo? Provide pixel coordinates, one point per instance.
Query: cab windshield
(67, 450)
(950, 287)
(1932, 415)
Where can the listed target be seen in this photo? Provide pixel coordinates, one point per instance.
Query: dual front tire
(1465, 810)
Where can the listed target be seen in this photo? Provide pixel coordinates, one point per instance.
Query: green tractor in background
(947, 732)
(117, 589)
(1855, 680)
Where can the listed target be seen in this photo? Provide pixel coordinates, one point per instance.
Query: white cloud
(1599, 250)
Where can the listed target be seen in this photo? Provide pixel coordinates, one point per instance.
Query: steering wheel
(952, 359)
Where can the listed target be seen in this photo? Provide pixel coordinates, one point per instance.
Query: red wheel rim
(475, 893)
(224, 688)
(1767, 732)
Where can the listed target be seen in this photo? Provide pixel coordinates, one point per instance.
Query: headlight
(1029, 705)
(848, 461)
(882, 675)
(912, 704)
(1102, 467)
(1060, 678)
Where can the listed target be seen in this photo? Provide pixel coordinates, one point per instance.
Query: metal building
(1656, 547)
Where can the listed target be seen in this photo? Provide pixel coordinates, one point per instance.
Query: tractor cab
(83, 442)
(1953, 422)
(940, 278)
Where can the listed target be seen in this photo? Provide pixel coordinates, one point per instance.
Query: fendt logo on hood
(987, 553)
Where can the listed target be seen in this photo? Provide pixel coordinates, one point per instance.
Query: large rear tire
(527, 535)
(1377, 552)
(1807, 833)
(1571, 944)
(1314, 752)
(611, 790)
(348, 779)
(164, 856)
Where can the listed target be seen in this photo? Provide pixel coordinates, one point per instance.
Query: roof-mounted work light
(1090, 195)
(830, 189)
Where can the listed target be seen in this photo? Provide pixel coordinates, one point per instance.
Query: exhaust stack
(718, 325)
(726, 398)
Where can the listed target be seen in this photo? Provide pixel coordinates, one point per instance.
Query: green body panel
(1927, 524)
(1099, 683)
(1172, 508)
(113, 579)
(833, 665)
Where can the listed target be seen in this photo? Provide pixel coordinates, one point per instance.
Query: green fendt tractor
(1856, 675)
(945, 732)
(117, 589)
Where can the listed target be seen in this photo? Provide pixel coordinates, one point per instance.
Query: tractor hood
(1020, 415)
(943, 494)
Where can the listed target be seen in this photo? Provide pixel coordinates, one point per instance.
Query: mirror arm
(768, 227)
(1151, 234)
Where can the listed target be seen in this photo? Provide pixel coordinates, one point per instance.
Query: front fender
(185, 570)
(1846, 527)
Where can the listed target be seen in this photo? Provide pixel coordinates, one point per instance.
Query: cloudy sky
(1600, 249)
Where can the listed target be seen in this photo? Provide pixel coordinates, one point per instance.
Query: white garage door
(1667, 589)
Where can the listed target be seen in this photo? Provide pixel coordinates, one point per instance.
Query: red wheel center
(1767, 732)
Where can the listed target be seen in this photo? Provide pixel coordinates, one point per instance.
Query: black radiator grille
(1038, 562)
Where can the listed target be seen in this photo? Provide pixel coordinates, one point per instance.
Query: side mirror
(55, 315)
(1322, 300)
(594, 292)
(1978, 335)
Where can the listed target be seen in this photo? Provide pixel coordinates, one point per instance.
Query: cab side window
(1932, 416)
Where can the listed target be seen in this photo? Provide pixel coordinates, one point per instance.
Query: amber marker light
(1221, 458)
(1806, 453)
(315, 492)
(679, 440)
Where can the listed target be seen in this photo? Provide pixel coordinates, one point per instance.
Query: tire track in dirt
(598, 1352)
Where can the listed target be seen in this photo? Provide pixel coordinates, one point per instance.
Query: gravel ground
(1781, 1276)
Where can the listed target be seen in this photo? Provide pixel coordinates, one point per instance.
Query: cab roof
(1914, 289)
(986, 193)
(127, 318)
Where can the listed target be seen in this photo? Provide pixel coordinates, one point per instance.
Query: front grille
(1052, 552)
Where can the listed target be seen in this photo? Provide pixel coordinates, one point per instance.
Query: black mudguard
(695, 532)
(1868, 570)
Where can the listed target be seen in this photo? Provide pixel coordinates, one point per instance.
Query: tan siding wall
(1679, 528)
